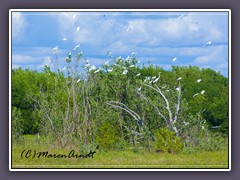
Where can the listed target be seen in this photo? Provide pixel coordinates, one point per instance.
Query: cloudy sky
(190, 38)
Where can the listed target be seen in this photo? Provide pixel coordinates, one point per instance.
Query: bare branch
(117, 106)
(178, 105)
(167, 103)
(127, 109)
(155, 107)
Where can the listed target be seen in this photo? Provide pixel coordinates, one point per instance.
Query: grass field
(117, 159)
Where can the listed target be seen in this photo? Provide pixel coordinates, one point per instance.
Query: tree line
(121, 104)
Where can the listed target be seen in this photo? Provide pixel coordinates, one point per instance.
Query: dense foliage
(121, 104)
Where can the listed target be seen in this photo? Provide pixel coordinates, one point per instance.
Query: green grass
(117, 159)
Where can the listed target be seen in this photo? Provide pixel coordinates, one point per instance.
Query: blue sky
(156, 37)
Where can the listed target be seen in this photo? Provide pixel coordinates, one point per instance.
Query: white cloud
(18, 24)
(24, 59)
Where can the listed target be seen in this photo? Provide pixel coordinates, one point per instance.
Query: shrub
(108, 136)
(17, 125)
(167, 142)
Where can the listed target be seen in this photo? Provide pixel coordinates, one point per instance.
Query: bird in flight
(207, 43)
(174, 59)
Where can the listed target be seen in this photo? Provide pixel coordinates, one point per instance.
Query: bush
(108, 137)
(167, 142)
(17, 125)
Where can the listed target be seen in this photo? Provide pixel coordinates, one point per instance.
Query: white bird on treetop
(138, 74)
(174, 59)
(207, 43)
(110, 70)
(96, 71)
(139, 89)
(78, 80)
(157, 78)
(195, 94)
(177, 88)
(93, 67)
(179, 78)
(203, 91)
(125, 72)
(199, 80)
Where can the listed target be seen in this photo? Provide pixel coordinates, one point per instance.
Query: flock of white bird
(150, 80)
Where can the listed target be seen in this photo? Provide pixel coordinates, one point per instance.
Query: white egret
(181, 16)
(76, 47)
(125, 72)
(110, 70)
(55, 50)
(108, 53)
(203, 91)
(128, 58)
(177, 88)
(179, 78)
(131, 66)
(87, 61)
(93, 67)
(174, 59)
(96, 71)
(203, 127)
(157, 78)
(139, 89)
(78, 29)
(199, 80)
(138, 74)
(167, 90)
(207, 43)
(153, 77)
(78, 80)
(195, 94)
(185, 123)
(129, 28)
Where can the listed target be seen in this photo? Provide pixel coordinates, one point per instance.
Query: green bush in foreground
(17, 126)
(167, 142)
(108, 136)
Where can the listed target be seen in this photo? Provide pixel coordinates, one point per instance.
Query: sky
(160, 38)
